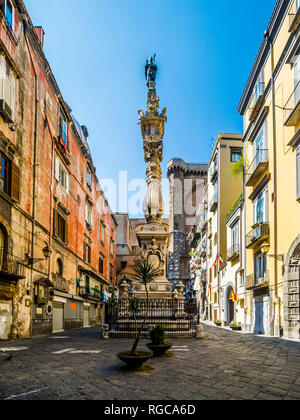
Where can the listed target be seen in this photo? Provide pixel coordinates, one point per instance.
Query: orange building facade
(57, 232)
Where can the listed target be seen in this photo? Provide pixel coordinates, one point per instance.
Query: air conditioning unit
(5, 111)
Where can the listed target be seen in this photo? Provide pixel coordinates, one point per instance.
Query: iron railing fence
(11, 265)
(292, 104)
(179, 320)
(262, 156)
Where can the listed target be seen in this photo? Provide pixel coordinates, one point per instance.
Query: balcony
(213, 172)
(260, 233)
(12, 268)
(203, 250)
(90, 292)
(60, 283)
(254, 282)
(292, 108)
(257, 167)
(213, 205)
(294, 15)
(233, 252)
(257, 101)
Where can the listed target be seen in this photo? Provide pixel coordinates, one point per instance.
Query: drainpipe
(244, 254)
(26, 29)
(268, 38)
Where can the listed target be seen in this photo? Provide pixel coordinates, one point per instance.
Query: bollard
(200, 332)
(104, 331)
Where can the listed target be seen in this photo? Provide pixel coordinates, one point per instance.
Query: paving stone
(225, 366)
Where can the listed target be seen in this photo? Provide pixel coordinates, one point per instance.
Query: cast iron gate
(172, 313)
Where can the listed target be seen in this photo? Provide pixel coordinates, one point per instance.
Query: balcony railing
(257, 167)
(255, 281)
(203, 250)
(257, 101)
(292, 108)
(60, 283)
(258, 234)
(213, 172)
(91, 292)
(294, 15)
(233, 252)
(11, 267)
(214, 203)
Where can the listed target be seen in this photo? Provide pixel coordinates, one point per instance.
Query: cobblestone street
(78, 365)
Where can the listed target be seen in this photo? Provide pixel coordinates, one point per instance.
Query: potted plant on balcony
(144, 274)
(235, 326)
(158, 343)
(218, 323)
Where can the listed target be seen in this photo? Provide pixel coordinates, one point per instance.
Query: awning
(44, 282)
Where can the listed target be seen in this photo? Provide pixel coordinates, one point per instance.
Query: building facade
(187, 183)
(214, 281)
(57, 233)
(271, 111)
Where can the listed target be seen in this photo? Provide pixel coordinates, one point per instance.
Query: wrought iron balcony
(292, 108)
(11, 267)
(258, 234)
(257, 167)
(294, 15)
(60, 283)
(257, 101)
(254, 281)
(213, 172)
(233, 252)
(203, 250)
(90, 292)
(213, 205)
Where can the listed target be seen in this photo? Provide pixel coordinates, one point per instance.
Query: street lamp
(47, 253)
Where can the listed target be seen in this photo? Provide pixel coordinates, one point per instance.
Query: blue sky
(205, 50)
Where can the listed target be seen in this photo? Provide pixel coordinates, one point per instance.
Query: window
(259, 87)
(61, 175)
(236, 155)
(260, 263)
(298, 171)
(297, 78)
(59, 267)
(63, 128)
(60, 227)
(102, 233)
(8, 11)
(89, 178)
(7, 87)
(5, 170)
(101, 265)
(87, 252)
(235, 237)
(88, 214)
(112, 245)
(242, 279)
(260, 208)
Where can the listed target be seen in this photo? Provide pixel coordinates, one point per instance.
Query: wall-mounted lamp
(47, 253)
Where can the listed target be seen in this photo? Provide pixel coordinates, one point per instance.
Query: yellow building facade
(270, 105)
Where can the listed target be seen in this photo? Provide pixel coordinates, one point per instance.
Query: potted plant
(158, 343)
(235, 326)
(218, 323)
(144, 273)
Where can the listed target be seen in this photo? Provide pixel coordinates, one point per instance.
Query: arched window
(59, 267)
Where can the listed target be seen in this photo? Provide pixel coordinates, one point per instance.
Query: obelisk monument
(154, 235)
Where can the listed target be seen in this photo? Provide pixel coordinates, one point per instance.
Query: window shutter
(15, 182)
(66, 232)
(57, 168)
(67, 183)
(298, 171)
(55, 222)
